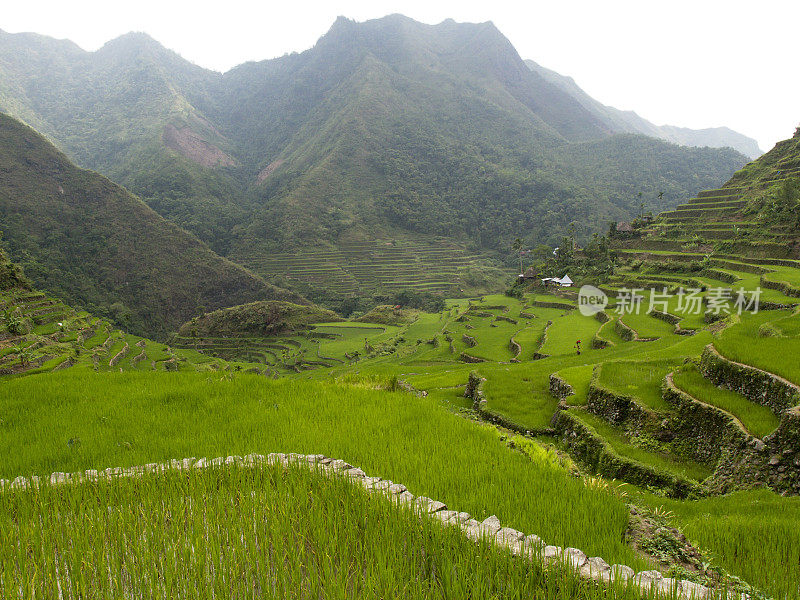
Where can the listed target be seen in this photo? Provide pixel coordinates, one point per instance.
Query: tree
(517, 246)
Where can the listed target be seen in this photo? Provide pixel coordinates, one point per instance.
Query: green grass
(608, 332)
(227, 532)
(351, 339)
(742, 343)
(622, 445)
(566, 330)
(579, 378)
(753, 534)
(639, 379)
(73, 420)
(757, 419)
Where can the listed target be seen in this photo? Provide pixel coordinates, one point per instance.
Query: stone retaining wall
(559, 388)
(468, 358)
(704, 432)
(756, 385)
(544, 304)
(530, 547)
(780, 286)
(617, 409)
(598, 456)
(674, 320)
(506, 319)
(119, 355)
(623, 331)
(740, 460)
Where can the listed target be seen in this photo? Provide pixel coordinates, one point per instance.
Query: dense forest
(382, 126)
(90, 242)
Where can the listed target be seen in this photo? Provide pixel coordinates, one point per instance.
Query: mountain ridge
(86, 239)
(383, 130)
(629, 121)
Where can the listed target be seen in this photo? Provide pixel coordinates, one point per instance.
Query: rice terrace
(402, 315)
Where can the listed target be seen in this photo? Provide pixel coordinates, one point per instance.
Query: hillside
(755, 215)
(257, 318)
(40, 333)
(90, 242)
(386, 133)
(630, 122)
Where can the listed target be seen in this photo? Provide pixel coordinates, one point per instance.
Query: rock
(694, 591)
(397, 488)
(534, 541)
(340, 465)
(463, 517)
(594, 568)
(217, 462)
(491, 525)
(472, 529)
(276, 458)
(368, 482)
(506, 536)
(574, 558)
(355, 473)
(57, 478)
(19, 482)
(404, 498)
(200, 463)
(381, 484)
(774, 460)
(447, 516)
(667, 585)
(91, 474)
(551, 553)
(428, 506)
(618, 573)
(648, 579)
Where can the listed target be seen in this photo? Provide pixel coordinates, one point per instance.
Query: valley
(399, 316)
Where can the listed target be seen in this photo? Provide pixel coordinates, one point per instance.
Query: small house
(555, 281)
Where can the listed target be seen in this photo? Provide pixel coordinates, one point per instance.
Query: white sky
(692, 63)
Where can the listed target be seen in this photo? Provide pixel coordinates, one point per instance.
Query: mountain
(626, 121)
(753, 218)
(386, 133)
(92, 243)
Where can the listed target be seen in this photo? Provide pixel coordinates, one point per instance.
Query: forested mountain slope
(89, 241)
(383, 128)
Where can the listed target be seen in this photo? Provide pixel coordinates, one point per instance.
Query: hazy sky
(698, 63)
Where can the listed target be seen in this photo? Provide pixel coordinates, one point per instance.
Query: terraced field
(40, 334)
(616, 408)
(364, 267)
